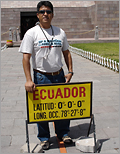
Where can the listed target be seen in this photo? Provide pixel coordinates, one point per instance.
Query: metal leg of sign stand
(27, 137)
(90, 125)
(92, 119)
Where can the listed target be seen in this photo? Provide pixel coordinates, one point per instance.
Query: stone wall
(10, 17)
(108, 18)
(31, 4)
(75, 21)
(78, 21)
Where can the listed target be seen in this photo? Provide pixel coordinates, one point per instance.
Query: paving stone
(18, 139)
(19, 130)
(102, 109)
(109, 151)
(12, 115)
(110, 144)
(111, 132)
(100, 134)
(8, 103)
(106, 123)
(116, 107)
(11, 149)
(7, 123)
(6, 140)
(8, 130)
(19, 122)
(33, 138)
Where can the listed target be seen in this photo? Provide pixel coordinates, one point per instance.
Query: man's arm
(29, 85)
(68, 61)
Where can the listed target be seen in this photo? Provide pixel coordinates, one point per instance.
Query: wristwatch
(71, 73)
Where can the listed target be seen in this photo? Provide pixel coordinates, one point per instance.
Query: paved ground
(13, 105)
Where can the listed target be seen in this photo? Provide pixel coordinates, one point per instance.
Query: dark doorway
(28, 20)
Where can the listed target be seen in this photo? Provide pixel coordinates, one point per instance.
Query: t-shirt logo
(54, 43)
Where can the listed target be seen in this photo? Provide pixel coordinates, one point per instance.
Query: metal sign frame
(91, 115)
(68, 109)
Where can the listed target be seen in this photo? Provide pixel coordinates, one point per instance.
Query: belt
(45, 73)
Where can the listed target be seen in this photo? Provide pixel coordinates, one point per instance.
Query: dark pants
(61, 126)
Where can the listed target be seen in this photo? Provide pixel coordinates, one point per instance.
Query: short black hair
(45, 3)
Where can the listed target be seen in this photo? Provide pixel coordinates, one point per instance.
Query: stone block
(34, 148)
(86, 144)
(5, 140)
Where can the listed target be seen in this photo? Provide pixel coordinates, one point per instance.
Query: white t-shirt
(43, 58)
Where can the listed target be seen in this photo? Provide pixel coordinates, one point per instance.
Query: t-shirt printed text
(53, 43)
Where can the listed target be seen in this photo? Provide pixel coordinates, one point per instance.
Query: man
(45, 43)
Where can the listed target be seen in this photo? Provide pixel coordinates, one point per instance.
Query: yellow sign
(51, 102)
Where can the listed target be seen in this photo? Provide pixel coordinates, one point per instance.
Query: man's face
(45, 17)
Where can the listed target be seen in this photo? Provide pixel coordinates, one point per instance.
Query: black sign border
(54, 84)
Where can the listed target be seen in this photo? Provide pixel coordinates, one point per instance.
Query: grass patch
(108, 50)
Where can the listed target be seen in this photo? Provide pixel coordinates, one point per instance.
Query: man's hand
(68, 77)
(30, 86)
